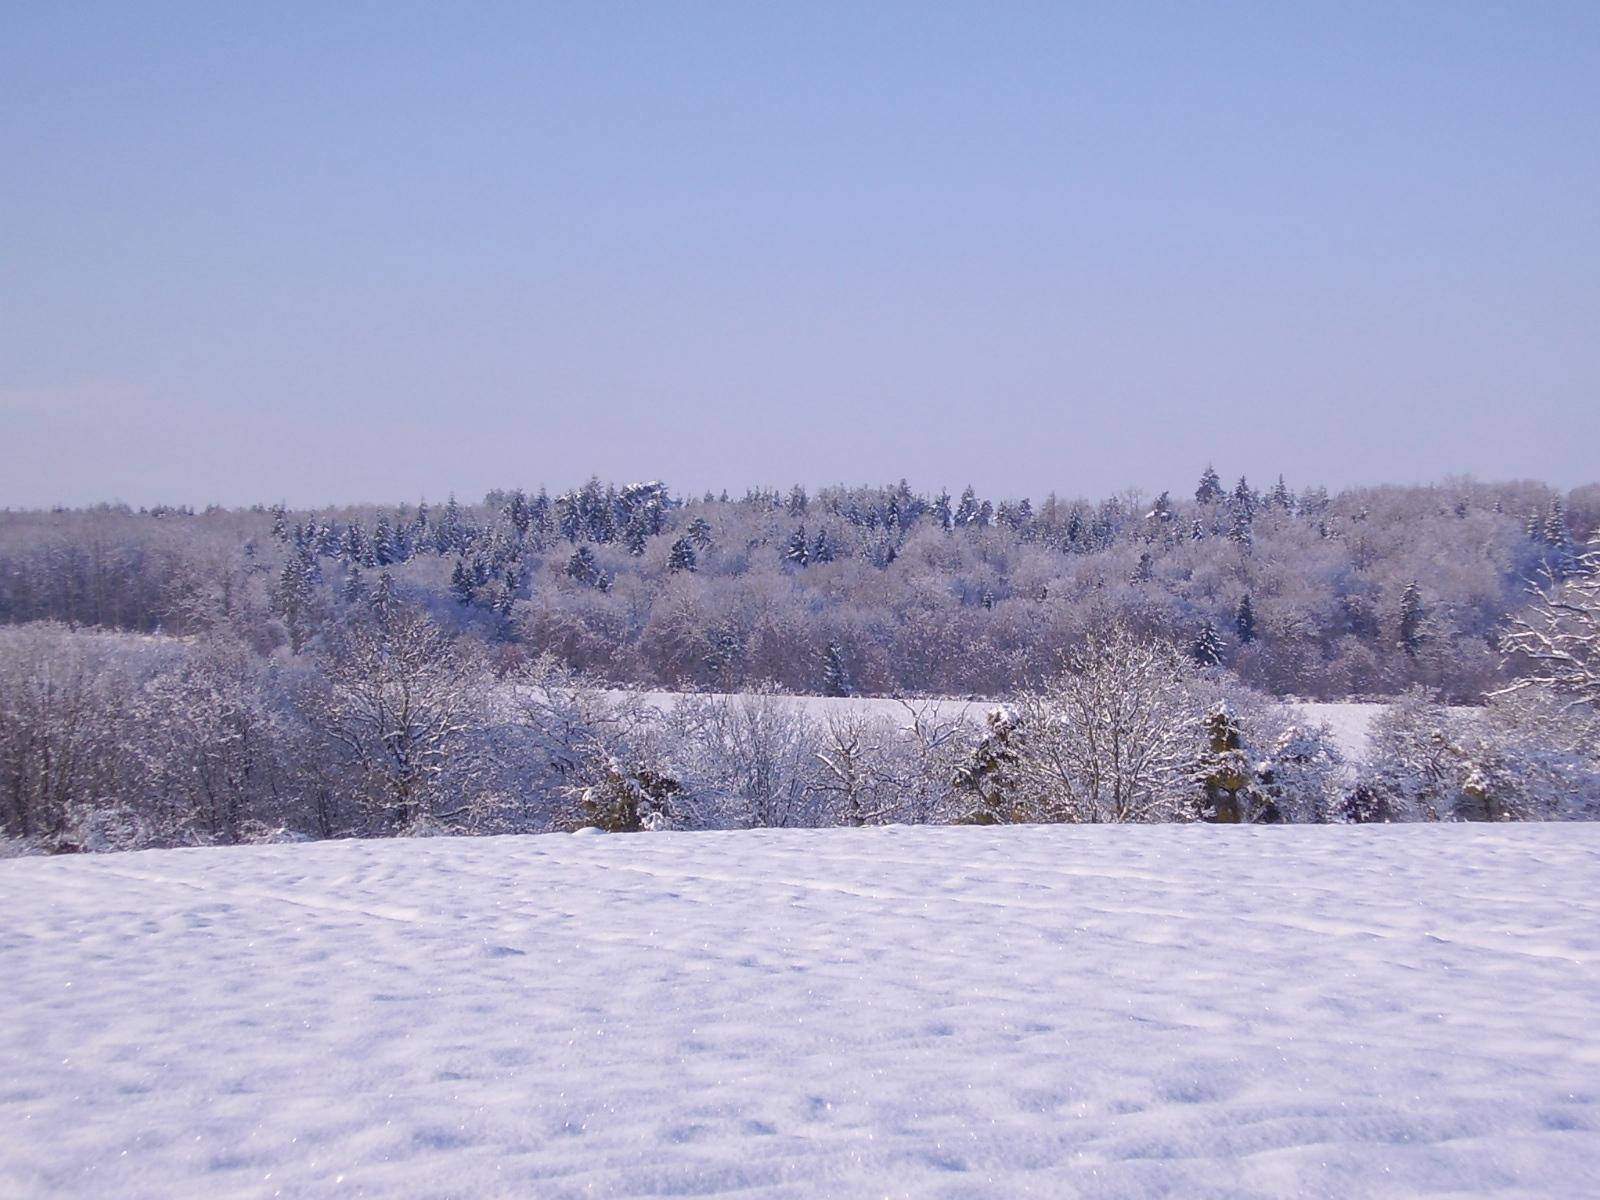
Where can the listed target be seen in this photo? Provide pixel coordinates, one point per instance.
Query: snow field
(1186, 1011)
(1348, 721)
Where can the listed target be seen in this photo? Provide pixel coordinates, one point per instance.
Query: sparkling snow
(1158, 1011)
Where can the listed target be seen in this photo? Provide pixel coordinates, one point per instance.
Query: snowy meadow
(1198, 1010)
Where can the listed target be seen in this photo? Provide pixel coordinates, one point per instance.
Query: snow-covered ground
(1349, 721)
(1182, 1011)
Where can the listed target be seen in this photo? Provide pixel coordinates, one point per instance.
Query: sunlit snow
(1176, 1011)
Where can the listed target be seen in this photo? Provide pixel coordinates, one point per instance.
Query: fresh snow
(1184, 1011)
(1348, 721)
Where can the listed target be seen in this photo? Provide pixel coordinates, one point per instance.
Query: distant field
(1349, 722)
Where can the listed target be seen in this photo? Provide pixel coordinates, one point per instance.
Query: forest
(875, 591)
(172, 677)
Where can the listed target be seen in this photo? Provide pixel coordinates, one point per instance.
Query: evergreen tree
(822, 548)
(798, 501)
(516, 512)
(1281, 496)
(967, 511)
(292, 599)
(383, 549)
(1210, 489)
(835, 676)
(700, 533)
(1225, 773)
(1243, 499)
(352, 547)
(354, 588)
(1207, 647)
(1562, 559)
(385, 599)
(635, 537)
(583, 567)
(1244, 621)
(461, 584)
(941, 510)
(1411, 618)
(796, 553)
(682, 556)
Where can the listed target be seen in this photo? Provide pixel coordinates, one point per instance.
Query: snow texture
(1349, 722)
(1185, 1011)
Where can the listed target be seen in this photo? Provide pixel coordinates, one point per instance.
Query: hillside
(1187, 1011)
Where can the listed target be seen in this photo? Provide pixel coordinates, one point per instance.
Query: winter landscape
(811, 601)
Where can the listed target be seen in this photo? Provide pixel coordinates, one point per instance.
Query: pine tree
(798, 501)
(1210, 489)
(1207, 647)
(352, 547)
(822, 548)
(1281, 496)
(635, 537)
(354, 587)
(1562, 559)
(583, 568)
(384, 600)
(835, 676)
(796, 553)
(461, 584)
(682, 556)
(700, 533)
(383, 548)
(1244, 621)
(1411, 618)
(292, 599)
(1243, 498)
(941, 510)
(1225, 773)
(967, 510)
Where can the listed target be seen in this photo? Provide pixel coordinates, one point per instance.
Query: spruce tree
(822, 548)
(1210, 489)
(1411, 617)
(682, 556)
(461, 584)
(1207, 647)
(583, 567)
(835, 676)
(1244, 621)
(796, 553)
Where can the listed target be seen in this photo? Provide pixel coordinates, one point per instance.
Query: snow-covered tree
(403, 701)
(1555, 644)
(1113, 736)
(681, 557)
(1208, 647)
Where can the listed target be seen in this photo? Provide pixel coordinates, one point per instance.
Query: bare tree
(1112, 737)
(404, 702)
(1557, 639)
(855, 770)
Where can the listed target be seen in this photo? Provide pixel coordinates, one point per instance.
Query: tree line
(880, 590)
(391, 724)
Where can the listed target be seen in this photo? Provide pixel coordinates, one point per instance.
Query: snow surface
(1187, 1011)
(1348, 721)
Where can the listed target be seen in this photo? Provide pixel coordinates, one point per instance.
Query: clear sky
(347, 251)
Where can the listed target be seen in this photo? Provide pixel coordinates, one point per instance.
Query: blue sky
(340, 252)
